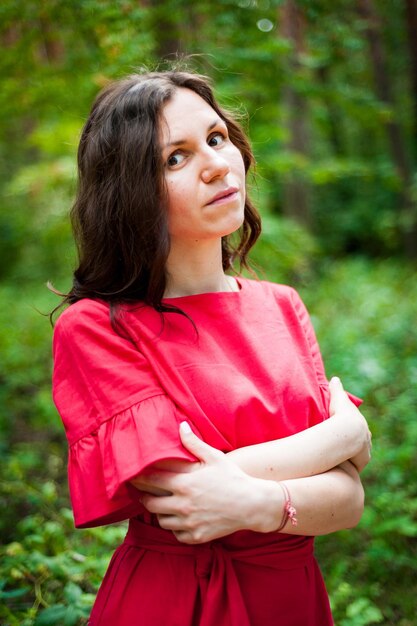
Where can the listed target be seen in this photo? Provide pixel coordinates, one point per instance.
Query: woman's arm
(224, 493)
(344, 436)
(327, 502)
(313, 451)
(216, 498)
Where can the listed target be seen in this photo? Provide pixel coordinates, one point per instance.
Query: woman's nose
(214, 166)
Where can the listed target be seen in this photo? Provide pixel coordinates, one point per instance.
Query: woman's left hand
(210, 498)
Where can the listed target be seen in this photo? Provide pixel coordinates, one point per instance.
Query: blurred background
(327, 90)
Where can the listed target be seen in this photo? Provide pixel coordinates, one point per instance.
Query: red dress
(250, 372)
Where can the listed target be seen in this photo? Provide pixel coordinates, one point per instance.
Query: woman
(189, 395)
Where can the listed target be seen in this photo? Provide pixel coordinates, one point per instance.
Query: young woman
(189, 395)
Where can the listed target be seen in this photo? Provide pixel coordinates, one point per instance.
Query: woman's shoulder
(274, 297)
(278, 291)
(84, 312)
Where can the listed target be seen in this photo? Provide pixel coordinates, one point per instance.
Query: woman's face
(204, 171)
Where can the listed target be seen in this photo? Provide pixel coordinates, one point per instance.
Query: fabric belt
(222, 599)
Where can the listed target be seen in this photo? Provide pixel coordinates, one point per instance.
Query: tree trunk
(296, 197)
(400, 157)
(51, 47)
(335, 123)
(411, 18)
(166, 31)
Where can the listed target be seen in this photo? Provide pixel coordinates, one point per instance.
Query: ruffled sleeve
(118, 421)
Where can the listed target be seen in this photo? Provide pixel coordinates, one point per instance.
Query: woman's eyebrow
(179, 142)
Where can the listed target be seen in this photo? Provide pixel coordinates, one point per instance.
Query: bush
(364, 313)
(365, 319)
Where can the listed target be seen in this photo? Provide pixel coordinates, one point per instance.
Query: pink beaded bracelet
(289, 512)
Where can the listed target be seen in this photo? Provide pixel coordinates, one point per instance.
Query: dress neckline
(205, 294)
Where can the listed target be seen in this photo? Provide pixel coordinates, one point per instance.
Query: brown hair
(119, 217)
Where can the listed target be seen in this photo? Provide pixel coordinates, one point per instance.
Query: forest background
(329, 93)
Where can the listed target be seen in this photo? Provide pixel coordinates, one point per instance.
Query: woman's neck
(194, 269)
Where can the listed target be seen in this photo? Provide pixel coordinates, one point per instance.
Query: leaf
(14, 593)
(51, 616)
(73, 593)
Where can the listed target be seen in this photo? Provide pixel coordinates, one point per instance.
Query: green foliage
(49, 576)
(286, 247)
(58, 53)
(365, 319)
(25, 367)
(55, 56)
(364, 313)
(49, 573)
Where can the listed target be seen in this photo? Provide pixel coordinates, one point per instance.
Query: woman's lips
(226, 195)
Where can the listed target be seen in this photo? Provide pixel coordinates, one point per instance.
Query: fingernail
(185, 427)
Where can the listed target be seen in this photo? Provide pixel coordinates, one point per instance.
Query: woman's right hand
(352, 423)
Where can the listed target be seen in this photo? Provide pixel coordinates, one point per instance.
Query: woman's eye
(175, 159)
(216, 139)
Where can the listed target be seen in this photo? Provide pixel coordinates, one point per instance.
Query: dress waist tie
(222, 601)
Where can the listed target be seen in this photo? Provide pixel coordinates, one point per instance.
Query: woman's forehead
(183, 113)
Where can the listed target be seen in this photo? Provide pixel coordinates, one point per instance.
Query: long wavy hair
(119, 216)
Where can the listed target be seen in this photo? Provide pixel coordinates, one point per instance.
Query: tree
(411, 26)
(397, 145)
(296, 200)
